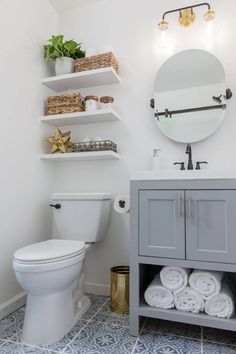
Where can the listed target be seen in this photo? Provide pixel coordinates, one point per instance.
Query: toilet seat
(48, 255)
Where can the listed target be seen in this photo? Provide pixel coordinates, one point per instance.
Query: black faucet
(190, 161)
(189, 152)
(182, 167)
(198, 164)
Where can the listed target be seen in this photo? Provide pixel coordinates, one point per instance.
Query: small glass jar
(91, 103)
(106, 102)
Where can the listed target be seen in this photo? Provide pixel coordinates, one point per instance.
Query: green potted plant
(63, 53)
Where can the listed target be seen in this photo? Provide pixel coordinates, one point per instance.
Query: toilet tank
(82, 216)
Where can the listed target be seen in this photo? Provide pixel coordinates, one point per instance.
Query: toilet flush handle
(56, 206)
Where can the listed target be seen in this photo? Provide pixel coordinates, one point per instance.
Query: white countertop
(150, 175)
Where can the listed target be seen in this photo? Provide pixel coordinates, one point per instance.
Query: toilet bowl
(52, 272)
(47, 271)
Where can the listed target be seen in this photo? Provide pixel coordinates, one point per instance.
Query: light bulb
(163, 25)
(209, 15)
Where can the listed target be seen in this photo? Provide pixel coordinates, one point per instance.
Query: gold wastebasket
(119, 295)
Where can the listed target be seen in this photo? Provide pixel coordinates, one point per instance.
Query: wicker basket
(62, 104)
(103, 145)
(97, 62)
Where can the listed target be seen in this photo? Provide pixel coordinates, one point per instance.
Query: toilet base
(44, 324)
(83, 304)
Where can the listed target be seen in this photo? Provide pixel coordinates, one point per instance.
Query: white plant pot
(64, 65)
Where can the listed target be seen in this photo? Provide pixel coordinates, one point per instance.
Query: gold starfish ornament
(60, 142)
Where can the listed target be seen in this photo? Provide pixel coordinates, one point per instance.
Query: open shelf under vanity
(201, 319)
(147, 271)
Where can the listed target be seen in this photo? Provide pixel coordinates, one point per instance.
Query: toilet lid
(50, 250)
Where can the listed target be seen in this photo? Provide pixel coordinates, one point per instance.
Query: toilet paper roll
(122, 204)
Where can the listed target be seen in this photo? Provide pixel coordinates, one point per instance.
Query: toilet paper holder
(122, 204)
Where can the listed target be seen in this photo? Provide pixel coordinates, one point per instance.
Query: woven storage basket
(69, 103)
(103, 145)
(97, 62)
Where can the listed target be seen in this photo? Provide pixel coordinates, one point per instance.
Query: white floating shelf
(81, 156)
(102, 115)
(84, 79)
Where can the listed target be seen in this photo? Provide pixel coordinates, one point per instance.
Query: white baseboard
(97, 289)
(12, 305)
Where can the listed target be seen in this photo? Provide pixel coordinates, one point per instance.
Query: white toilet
(51, 272)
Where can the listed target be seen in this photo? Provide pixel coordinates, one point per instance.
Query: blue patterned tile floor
(102, 332)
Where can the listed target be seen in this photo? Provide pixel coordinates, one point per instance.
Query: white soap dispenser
(156, 159)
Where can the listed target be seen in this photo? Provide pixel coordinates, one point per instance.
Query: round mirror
(190, 97)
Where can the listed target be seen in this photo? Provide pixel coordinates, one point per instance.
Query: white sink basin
(177, 174)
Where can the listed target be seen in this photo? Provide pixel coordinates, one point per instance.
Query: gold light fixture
(186, 16)
(209, 15)
(163, 25)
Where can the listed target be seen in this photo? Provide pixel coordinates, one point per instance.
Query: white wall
(25, 182)
(131, 28)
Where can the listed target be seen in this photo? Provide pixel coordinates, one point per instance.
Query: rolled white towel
(205, 282)
(158, 296)
(222, 304)
(174, 278)
(189, 300)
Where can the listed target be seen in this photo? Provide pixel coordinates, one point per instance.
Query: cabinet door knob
(178, 207)
(188, 207)
(181, 206)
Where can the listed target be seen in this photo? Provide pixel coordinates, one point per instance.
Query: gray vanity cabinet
(184, 223)
(193, 225)
(162, 223)
(211, 225)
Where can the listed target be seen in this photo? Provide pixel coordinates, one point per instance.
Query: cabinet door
(211, 225)
(161, 223)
